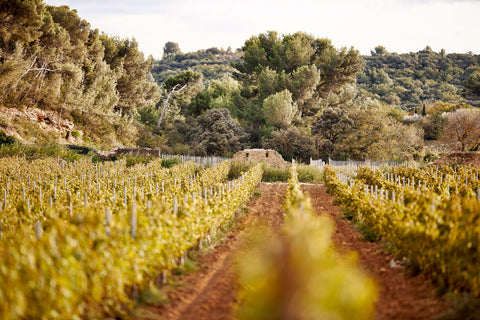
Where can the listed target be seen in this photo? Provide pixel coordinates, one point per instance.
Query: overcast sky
(399, 25)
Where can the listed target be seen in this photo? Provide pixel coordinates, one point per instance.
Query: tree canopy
(51, 58)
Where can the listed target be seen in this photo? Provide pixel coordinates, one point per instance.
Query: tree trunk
(166, 102)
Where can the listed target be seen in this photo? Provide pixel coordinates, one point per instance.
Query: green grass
(274, 174)
(38, 151)
(237, 168)
(309, 174)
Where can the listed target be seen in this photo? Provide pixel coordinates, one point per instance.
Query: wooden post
(107, 221)
(133, 221)
(38, 229)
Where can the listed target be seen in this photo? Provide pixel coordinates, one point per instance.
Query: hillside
(293, 93)
(212, 63)
(413, 79)
(407, 80)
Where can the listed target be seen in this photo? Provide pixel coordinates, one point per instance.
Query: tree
(280, 110)
(218, 134)
(20, 21)
(379, 51)
(331, 127)
(333, 124)
(185, 85)
(50, 58)
(433, 126)
(463, 129)
(472, 84)
(339, 67)
(311, 69)
(291, 143)
(171, 48)
(376, 135)
(134, 87)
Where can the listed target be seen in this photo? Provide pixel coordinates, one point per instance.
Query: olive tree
(463, 129)
(280, 110)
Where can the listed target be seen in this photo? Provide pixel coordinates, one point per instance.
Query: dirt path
(400, 296)
(210, 292)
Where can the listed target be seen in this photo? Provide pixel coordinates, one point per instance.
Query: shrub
(3, 122)
(309, 174)
(274, 174)
(4, 139)
(168, 163)
(237, 168)
(133, 160)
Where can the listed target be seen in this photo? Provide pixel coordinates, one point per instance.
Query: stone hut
(269, 156)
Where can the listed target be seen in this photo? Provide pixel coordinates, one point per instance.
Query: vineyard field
(428, 216)
(80, 240)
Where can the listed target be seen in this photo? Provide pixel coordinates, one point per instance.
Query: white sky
(398, 25)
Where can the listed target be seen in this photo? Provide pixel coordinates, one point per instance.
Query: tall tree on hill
(50, 58)
(134, 87)
(311, 69)
(171, 48)
(338, 68)
(20, 22)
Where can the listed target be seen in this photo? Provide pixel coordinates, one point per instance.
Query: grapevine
(434, 225)
(89, 261)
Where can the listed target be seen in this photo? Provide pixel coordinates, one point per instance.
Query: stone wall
(135, 152)
(269, 156)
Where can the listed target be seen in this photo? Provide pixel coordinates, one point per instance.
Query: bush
(306, 174)
(237, 168)
(133, 160)
(168, 163)
(4, 139)
(31, 132)
(3, 122)
(309, 174)
(274, 174)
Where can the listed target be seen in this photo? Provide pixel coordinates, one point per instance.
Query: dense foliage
(50, 58)
(211, 63)
(412, 79)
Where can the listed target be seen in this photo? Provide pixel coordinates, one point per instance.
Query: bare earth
(210, 292)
